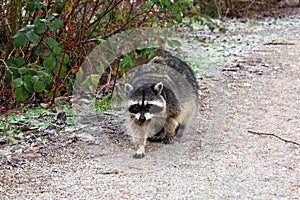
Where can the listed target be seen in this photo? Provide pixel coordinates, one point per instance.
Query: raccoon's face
(145, 102)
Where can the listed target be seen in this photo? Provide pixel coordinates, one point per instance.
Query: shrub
(43, 43)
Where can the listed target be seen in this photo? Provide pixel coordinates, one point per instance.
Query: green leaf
(29, 88)
(79, 74)
(39, 86)
(22, 30)
(100, 40)
(175, 9)
(59, 6)
(19, 39)
(8, 78)
(173, 43)
(63, 71)
(32, 37)
(30, 26)
(43, 20)
(41, 6)
(58, 23)
(32, 45)
(100, 69)
(86, 83)
(20, 61)
(46, 77)
(170, 24)
(51, 26)
(40, 28)
(30, 6)
(36, 66)
(147, 4)
(66, 58)
(127, 61)
(27, 79)
(49, 63)
(47, 54)
(95, 79)
(18, 82)
(51, 16)
(12, 62)
(51, 42)
(21, 94)
(179, 17)
(34, 79)
(22, 70)
(165, 4)
(56, 50)
(28, 84)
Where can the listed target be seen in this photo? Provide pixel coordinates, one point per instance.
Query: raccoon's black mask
(145, 101)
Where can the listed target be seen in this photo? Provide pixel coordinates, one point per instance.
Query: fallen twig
(109, 172)
(279, 43)
(273, 135)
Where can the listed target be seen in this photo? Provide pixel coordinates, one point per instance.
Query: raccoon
(161, 99)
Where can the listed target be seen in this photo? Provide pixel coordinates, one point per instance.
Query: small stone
(51, 132)
(14, 162)
(247, 85)
(3, 140)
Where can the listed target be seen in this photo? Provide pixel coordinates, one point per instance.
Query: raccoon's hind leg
(170, 129)
(166, 137)
(158, 137)
(179, 130)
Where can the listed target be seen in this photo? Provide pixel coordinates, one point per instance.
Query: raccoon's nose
(142, 118)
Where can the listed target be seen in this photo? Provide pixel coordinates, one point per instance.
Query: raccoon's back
(179, 66)
(174, 73)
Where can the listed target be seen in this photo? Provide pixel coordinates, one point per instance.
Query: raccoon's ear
(158, 87)
(128, 88)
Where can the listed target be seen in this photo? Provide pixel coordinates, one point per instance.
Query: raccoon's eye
(134, 109)
(153, 108)
(148, 107)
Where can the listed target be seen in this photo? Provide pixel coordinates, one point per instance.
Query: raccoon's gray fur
(161, 101)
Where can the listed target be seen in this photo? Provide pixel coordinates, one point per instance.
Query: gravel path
(235, 149)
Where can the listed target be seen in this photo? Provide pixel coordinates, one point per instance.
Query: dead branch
(273, 135)
(279, 43)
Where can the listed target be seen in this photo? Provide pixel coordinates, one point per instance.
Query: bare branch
(273, 135)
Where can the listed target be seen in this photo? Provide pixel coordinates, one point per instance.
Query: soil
(244, 144)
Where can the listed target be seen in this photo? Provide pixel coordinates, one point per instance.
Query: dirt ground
(244, 144)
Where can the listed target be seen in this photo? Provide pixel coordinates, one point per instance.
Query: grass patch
(25, 124)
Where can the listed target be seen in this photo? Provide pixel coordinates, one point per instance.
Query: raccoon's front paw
(168, 140)
(140, 153)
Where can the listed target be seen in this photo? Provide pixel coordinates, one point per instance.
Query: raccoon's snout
(142, 118)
